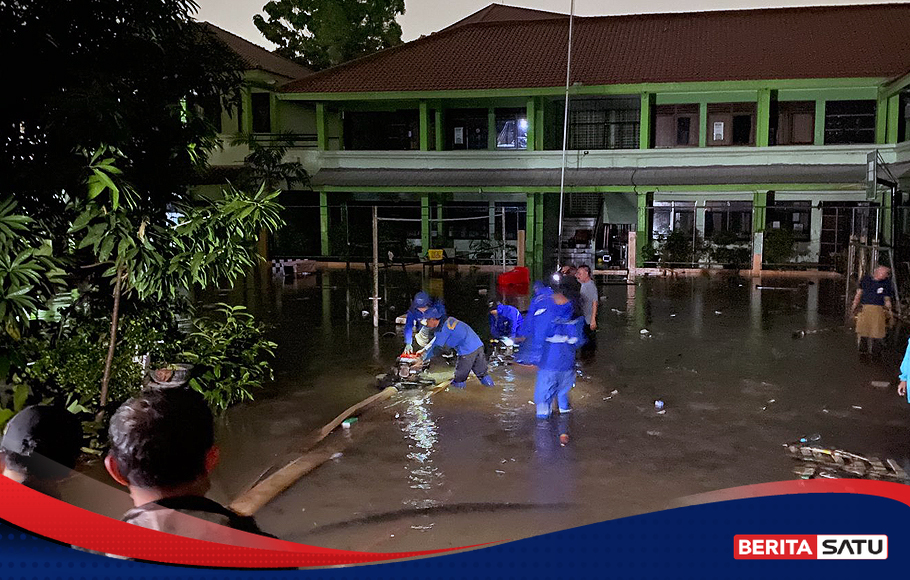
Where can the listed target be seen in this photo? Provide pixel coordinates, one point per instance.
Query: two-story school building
(722, 125)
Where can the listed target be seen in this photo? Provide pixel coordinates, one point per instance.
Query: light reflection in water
(508, 409)
(424, 476)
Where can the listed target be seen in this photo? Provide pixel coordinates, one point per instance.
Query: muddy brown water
(474, 466)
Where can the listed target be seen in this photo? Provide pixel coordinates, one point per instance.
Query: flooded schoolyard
(473, 466)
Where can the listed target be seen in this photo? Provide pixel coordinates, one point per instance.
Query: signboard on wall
(718, 130)
(871, 175)
(459, 135)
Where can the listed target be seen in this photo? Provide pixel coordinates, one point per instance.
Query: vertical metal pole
(503, 239)
(565, 139)
(375, 268)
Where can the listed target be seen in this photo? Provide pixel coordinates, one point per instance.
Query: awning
(614, 176)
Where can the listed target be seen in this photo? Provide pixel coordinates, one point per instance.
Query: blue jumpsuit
(415, 316)
(533, 326)
(556, 369)
(506, 322)
(905, 368)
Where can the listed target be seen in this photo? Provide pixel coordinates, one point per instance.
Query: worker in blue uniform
(455, 334)
(533, 325)
(505, 321)
(563, 336)
(422, 301)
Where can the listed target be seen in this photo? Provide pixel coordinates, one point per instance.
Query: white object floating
(672, 316)
(645, 331)
(364, 313)
(857, 407)
(718, 312)
(880, 384)
(337, 456)
(482, 291)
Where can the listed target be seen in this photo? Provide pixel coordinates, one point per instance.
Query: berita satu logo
(808, 547)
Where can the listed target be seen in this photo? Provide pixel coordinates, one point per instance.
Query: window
(795, 123)
(608, 123)
(673, 216)
(733, 217)
(682, 130)
(790, 215)
(676, 126)
(381, 130)
(731, 124)
(849, 122)
(511, 129)
(262, 114)
(466, 129)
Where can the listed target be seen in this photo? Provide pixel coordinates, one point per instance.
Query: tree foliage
(114, 72)
(323, 33)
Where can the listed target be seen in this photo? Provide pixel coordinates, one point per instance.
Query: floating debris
(658, 405)
(654, 433)
(857, 407)
(338, 455)
(500, 472)
(881, 384)
(821, 462)
(645, 331)
(718, 312)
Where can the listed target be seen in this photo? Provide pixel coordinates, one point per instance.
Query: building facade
(732, 129)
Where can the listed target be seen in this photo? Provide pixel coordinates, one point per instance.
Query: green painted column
(894, 118)
(439, 216)
(887, 215)
(324, 247)
(819, 122)
(703, 124)
(538, 234)
(644, 127)
(424, 126)
(322, 129)
(532, 130)
(881, 120)
(763, 121)
(530, 207)
(491, 128)
(759, 218)
(247, 111)
(424, 223)
(274, 115)
(440, 143)
(538, 126)
(643, 226)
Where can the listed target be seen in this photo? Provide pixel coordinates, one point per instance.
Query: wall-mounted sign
(718, 130)
(459, 135)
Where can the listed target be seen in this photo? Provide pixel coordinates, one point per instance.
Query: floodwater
(473, 466)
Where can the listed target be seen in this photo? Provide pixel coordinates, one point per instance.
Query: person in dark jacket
(40, 447)
(457, 335)
(163, 450)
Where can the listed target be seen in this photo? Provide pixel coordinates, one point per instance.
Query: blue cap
(421, 299)
(432, 312)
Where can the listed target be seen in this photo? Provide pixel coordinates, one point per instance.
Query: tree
(265, 163)
(323, 33)
(128, 74)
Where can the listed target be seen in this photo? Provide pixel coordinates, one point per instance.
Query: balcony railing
(294, 140)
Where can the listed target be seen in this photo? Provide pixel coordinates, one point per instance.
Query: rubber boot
(487, 380)
(460, 385)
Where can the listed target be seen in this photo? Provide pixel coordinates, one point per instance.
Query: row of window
(733, 217)
(602, 123)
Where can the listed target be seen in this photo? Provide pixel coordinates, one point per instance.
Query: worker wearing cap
(422, 301)
(40, 447)
(455, 334)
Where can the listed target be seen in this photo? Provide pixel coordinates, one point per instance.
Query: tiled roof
(256, 57)
(503, 13)
(782, 43)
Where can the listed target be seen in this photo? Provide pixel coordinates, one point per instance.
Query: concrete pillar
(530, 207)
(894, 117)
(815, 232)
(703, 124)
(700, 211)
(322, 128)
(491, 128)
(759, 216)
(531, 116)
(424, 223)
(819, 122)
(643, 226)
(644, 128)
(424, 114)
(492, 219)
(440, 139)
(763, 120)
(881, 120)
(324, 247)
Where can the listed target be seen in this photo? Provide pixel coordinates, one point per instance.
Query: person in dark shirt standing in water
(873, 305)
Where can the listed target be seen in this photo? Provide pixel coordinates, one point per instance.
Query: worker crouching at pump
(505, 322)
(456, 335)
(416, 317)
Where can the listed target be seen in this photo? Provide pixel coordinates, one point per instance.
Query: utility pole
(375, 268)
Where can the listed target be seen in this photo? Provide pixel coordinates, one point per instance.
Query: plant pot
(172, 375)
